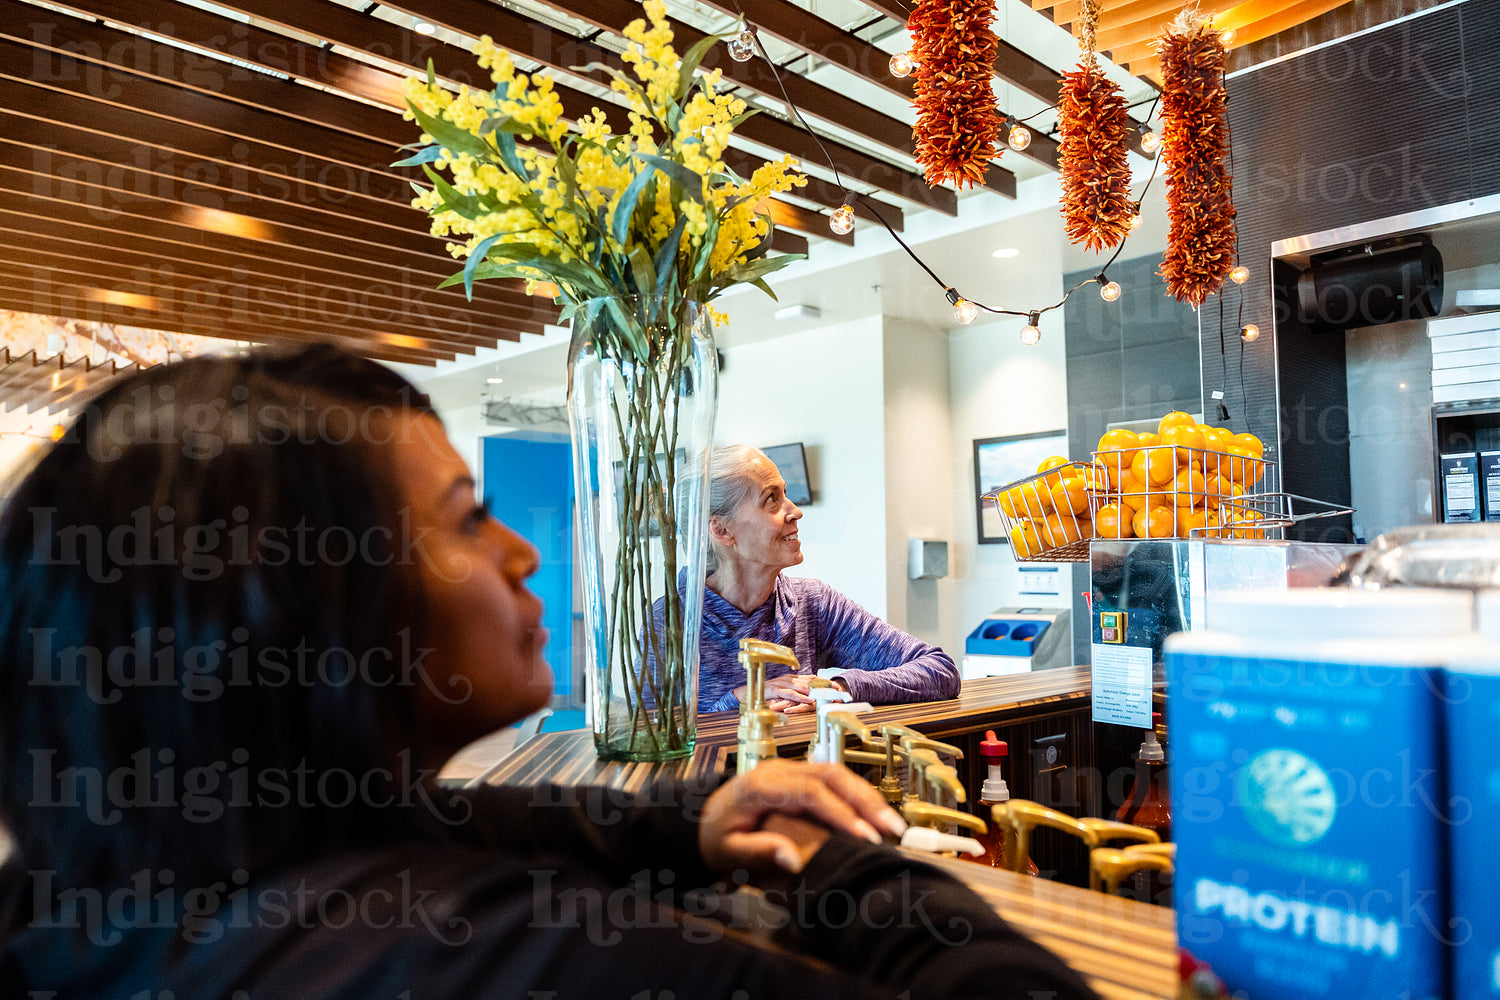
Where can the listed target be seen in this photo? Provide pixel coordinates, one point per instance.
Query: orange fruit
(1115, 464)
(1215, 486)
(1211, 525)
(1096, 478)
(1118, 439)
(1189, 521)
(1085, 528)
(1187, 438)
(1215, 436)
(1048, 464)
(1070, 497)
(1250, 443)
(1189, 489)
(1237, 463)
(1155, 465)
(1060, 530)
(1154, 522)
(1026, 500)
(1024, 540)
(1175, 419)
(1113, 521)
(1148, 438)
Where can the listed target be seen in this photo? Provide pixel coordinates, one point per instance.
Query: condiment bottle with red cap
(994, 792)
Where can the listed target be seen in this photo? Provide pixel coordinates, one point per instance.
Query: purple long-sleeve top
(881, 663)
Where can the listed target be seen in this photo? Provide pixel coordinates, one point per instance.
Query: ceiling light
(1005, 252)
(799, 311)
(494, 380)
(423, 28)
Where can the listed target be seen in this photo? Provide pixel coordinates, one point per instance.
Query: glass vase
(642, 396)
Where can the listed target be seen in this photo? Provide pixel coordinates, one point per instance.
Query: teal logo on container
(1287, 797)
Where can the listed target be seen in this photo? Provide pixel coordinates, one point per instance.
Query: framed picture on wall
(1001, 460)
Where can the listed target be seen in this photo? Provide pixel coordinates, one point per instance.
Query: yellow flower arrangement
(651, 217)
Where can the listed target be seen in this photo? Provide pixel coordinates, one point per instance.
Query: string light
(1019, 136)
(1109, 291)
(964, 311)
(742, 45)
(842, 220)
(1249, 333)
(902, 64)
(1239, 274)
(1031, 334)
(1227, 37)
(58, 430)
(1150, 142)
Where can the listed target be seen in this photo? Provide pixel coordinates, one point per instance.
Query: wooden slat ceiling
(1128, 29)
(226, 172)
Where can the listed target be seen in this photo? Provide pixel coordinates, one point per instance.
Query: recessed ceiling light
(1004, 252)
(494, 380)
(423, 28)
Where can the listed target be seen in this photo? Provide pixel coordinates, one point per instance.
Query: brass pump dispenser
(756, 742)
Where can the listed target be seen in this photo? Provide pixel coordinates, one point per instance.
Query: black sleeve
(609, 831)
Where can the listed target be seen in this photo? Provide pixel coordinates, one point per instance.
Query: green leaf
(690, 64)
(465, 205)
(476, 257)
(753, 270)
(505, 144)
(761, 284)
(743, 116)
(447, 134)
(634, 337)
(427, 155)
(431, 74)
(506, 124)
(691, 182)
(625, 210)
(645, 274)
(666, 257)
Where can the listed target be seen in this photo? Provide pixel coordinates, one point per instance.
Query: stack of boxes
(1335, 793)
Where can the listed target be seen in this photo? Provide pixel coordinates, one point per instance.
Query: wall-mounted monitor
(791, 460)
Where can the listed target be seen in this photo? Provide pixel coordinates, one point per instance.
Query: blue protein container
(1307, 800)
(1471, 699)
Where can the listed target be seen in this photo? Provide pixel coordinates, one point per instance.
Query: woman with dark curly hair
(250, 607)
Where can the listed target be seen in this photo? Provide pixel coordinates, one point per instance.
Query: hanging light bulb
(1109, 291)
(964, 311)
(1019, 137)
(58, 431)
(1227, 37)
(902, 64)
(1249, 333)
(1031, 334)
(1239, 274)
(1135, 214)
(842, 219)
(1150, 142)
(742, 46)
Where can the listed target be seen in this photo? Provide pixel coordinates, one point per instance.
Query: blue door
(529, 485)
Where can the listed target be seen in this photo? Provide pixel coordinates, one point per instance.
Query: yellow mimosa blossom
(575, 204)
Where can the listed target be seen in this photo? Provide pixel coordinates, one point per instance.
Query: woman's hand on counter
(780, 814)
(784, 693)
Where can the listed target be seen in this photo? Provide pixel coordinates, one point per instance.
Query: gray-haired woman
(753, 537)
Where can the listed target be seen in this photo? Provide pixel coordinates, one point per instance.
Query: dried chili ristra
(1093, 159)
(957, 124)
(1194, 150)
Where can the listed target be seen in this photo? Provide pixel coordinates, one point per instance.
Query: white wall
(826, 389)
(1000, 387)
(919, 472)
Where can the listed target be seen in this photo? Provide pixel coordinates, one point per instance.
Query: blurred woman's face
(762, 531)
(483, 625)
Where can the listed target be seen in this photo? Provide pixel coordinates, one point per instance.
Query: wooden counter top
(1126, 950)
(568, 758)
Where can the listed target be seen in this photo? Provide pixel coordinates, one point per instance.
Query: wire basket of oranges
(1048, 517)
(1189, 480)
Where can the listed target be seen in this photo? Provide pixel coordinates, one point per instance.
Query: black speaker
(1372, 285)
